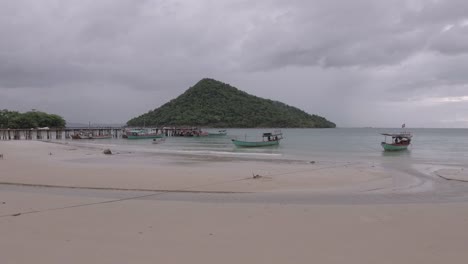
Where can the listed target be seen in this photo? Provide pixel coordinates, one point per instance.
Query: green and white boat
(399, 141)
(219, 133)
(143, 134)
(268, 139)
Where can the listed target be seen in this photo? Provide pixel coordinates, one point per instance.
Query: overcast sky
(357, 63)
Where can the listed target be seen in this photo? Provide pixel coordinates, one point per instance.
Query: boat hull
(91, 137)
(101, 137)
(76, 137)
(393, 147)
(144, 136)
(253, 144)
(217, 134)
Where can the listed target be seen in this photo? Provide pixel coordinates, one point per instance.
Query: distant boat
(80, 135)
(219, 133)
(100, 136)
(399, 141)
(143, 134)
(83, 135)
(191, 132)
(268, 139)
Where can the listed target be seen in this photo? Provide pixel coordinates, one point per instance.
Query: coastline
(71, 166)
(63, 165)
(137, 208)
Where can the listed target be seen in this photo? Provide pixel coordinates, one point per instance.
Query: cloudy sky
(358, 63)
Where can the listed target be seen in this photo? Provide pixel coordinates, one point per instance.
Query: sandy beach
(41, 163)
(61, 203)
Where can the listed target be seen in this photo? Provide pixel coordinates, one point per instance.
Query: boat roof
(271, 134)
(395, 135)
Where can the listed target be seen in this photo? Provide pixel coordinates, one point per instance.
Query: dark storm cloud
(360, 55)
(359, 33)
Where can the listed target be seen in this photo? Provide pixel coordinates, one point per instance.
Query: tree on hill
(32, 119)
(211, 103)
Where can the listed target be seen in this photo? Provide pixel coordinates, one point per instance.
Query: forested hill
(211, 103)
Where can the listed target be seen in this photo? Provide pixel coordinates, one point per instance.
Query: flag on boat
(403, 126)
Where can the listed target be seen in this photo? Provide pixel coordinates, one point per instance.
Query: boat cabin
(276, 136)
(398, 139)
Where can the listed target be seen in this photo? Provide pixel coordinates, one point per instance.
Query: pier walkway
(55, 133)
(66, 133)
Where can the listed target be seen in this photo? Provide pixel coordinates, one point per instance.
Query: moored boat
(399, 141)
(143, 134)
(101, 136)
(80, 135)
(268, 139)
(191, 132)
(85, 135)
(219, 133)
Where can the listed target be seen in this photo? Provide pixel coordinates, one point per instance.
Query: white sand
(166, 231)
(184, 232)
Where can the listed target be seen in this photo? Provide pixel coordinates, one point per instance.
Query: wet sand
(294, 213)
(39, 163)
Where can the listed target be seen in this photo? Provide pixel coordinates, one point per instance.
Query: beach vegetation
(31, 119)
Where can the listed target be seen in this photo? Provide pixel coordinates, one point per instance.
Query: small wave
(88, 144)
(204, 152)
(210, 152)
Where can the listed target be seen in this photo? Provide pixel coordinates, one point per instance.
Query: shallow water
(445, 146)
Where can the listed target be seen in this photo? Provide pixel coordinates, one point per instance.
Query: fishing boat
(143, 134)
(80, 135)
(399, 141)
(219, 133)
(191, 132)
(101, 136)
(84, 135)
(268, 139)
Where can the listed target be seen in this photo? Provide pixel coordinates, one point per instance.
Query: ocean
(445, 146)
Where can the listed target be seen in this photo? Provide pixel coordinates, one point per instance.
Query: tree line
(31, 119)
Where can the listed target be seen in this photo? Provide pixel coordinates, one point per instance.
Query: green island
(211, 103)
(31, 119)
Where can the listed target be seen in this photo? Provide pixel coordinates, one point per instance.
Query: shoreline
(64, 165)
(295, 213)
(58, 165)
(193, 155)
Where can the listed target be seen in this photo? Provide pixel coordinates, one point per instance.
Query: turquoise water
(342, 144)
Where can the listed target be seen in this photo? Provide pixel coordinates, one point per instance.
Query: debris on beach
(312, 162)
(256, 176)
(107, 152)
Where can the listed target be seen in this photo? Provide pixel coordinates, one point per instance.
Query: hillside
(211, 103)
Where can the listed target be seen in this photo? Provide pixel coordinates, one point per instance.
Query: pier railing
(55, 133)
(66, 133)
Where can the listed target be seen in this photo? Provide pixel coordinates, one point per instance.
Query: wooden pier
(66, 133)
(56, 133)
